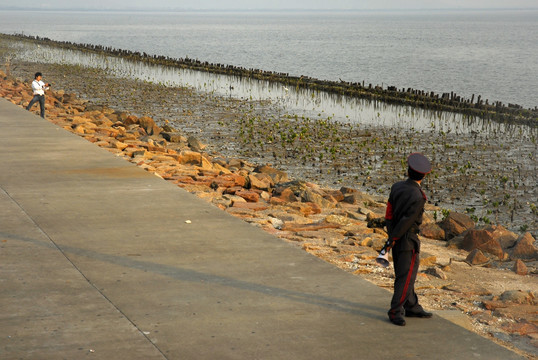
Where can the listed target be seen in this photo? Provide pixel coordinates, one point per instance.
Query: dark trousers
(41, 99)
(405, 268)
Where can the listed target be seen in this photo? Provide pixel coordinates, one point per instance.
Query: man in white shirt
(38, 87)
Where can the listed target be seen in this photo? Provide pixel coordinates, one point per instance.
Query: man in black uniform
(404, 216)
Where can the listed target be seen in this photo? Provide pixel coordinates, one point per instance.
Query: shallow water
(303, 102)
(487, 53)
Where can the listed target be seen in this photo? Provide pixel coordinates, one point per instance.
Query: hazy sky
(268, 4)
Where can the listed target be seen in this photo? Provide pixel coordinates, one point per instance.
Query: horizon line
(15, 8)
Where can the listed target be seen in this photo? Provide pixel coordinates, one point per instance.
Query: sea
(492, 53)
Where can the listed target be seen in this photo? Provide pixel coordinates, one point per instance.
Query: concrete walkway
(97, 261)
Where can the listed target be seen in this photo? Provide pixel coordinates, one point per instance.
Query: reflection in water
(300, 101)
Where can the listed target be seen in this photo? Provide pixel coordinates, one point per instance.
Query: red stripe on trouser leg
(408, 280)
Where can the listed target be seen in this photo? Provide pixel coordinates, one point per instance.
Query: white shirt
(39, 87)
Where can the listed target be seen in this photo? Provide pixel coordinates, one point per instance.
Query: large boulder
(482, 240)
(524, 248)
(455, 224)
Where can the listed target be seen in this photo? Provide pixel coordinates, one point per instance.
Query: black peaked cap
(419, 163)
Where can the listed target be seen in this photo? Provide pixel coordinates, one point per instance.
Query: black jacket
(404, 214)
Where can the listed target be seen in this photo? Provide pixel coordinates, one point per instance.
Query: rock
(129, 119)
(455, 242)
(195, 144)
(277, 175)
(476, 257)
(189, 157)
(276, 223)
(173, 137)
(306, 209)
(367, 241)
(260, 181)
(250, 206)
(518, 297)
(308, 227)
(482, 239)
(378, 242)
(435, 271)
(523, 328)
(524, 248)
(309, 195)
(375, 220)
(506, 238)
(428, 261)
(336, 195)
(338, 220)
(432, 231)
(520, 268)
(288, 195)
(235, 164)
(355, 215)
(249, 196)
(357, 198)
(455, 224)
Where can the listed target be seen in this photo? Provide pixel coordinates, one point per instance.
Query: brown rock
(235, 164)
(523, 328)
(174, 137)
(336, 195)
(249, 196)
(295, 227)
(437, 272)
(455, 224)
(277, 175)
(233, 189)
(518, 297)
(232, 180)
(288, 195)
(306, 208)
(432, 231)
(476, 257)
(482, 239)
(251, 206)
(311, 195)
(195, 144)
(493, 305)
(357, 198)
(506, 238)
(129, 119)
(524, 248)
(261, 181)
(428, 261)
(338, 220)
(520, 268)
(189, 157)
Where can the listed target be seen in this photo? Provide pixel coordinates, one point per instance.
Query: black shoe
(400, 321)
(420, 314)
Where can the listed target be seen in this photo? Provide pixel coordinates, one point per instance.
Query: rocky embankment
(489, 274)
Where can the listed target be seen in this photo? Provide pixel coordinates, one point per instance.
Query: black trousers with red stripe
(405, 268)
